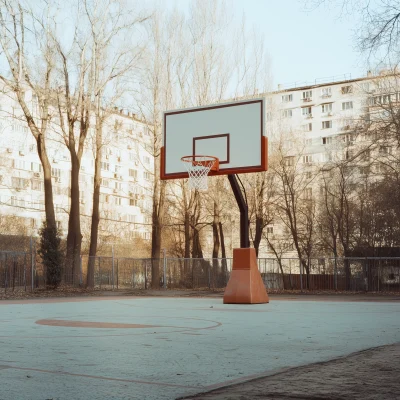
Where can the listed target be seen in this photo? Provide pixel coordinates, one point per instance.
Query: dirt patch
(368, 375)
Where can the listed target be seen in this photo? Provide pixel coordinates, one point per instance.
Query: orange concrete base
(245, 285)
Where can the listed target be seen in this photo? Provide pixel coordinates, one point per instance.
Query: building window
(118, 201)
(306, 111)
(37, 185)
(308, 142)
(327, 140)
(308, 193)
(365, 86)
(287, 113)
(105, 182)
(117, 185)
(365, 156)
(286, 98)
(56, 172)
(346, 89)
(347, 105)
(308, 175)
(103, 198)
(133, 173)
(307, 127)
(289, 161)
(327, 108)
(133, 202)
(307, 159)
(146, 160)
(270, 229)
(385, 150)
(21, 164)
(326, 92)
(326, 124)
(36, 167)
(147, 176)
(307, 95)
(19, 183)
(105, 166)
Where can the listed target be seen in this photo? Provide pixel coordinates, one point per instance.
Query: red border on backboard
(238, 170)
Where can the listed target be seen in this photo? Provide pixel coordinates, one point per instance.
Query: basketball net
(198, 168)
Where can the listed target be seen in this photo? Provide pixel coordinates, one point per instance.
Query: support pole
(244, 214)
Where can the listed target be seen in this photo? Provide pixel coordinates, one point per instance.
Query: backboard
(234, 132)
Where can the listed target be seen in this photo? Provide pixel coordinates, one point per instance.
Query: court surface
(164, 348)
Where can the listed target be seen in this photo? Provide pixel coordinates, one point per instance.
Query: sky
(303, 45)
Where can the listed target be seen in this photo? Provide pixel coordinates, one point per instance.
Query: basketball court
(165, 348)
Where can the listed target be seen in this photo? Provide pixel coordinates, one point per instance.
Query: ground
(127, 347)
(367, 375)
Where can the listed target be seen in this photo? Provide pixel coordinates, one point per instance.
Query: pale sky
(303, 46)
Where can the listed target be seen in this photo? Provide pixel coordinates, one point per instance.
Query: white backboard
(233, 132)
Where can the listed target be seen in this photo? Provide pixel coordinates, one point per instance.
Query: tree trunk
(258, 233)
(216, 241)
(48, 184)
(223, 255)
(74, 237)
(94, 231)
(157, 226)
(187, 234)
(283, 274)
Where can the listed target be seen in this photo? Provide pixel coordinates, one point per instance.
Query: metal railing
(23, 271)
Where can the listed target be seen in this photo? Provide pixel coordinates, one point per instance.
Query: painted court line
(100, 377)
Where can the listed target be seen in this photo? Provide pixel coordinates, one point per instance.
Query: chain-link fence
(23, 271)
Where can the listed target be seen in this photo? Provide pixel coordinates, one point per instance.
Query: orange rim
(205, 163)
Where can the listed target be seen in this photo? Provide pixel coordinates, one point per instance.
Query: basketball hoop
(198, 168)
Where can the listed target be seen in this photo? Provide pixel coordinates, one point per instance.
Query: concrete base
(245, 285)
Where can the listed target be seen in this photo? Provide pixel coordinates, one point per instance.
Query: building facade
(127, 175)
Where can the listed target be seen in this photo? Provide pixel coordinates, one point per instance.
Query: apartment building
(127, 174)
(318, 125)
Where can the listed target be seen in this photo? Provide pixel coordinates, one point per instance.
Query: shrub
(51, 254)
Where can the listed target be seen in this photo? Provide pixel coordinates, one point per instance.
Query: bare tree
(295, 200)
(113, 56)
(73, 96)
(163, 55)
(30, 71)
(378, 33)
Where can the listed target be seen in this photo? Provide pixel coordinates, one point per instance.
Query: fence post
(117, 272)
(335, 273)
(165, 268)
(5, 274)
(366, 275)
(99, 270)
(379, 273)
(145, 274)
(112, 249)
(80, 270)
(32, 265)
(25, 272)
(301, 276)
(209, 275)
